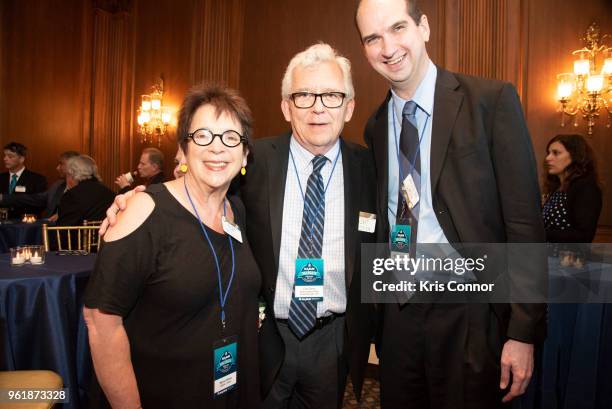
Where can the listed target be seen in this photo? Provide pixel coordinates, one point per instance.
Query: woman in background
(571, 190)
(570, 368)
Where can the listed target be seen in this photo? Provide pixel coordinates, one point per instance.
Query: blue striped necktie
(410, 162)
(303, 314)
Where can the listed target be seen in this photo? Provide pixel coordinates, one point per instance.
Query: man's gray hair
(316, 54)
(82, 167)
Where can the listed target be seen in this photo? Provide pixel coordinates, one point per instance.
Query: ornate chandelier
(153, 117)
(588, 90)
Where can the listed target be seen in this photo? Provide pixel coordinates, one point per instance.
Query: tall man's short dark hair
(412, 7)
(17, 148)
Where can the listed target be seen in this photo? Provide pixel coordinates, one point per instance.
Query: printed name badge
(400, 238)
(231, 229)
(20, 189)
(309, 279)
(225, 361)
(410, 192)
(367, 222)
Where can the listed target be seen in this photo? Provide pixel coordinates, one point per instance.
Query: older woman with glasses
(171, 308)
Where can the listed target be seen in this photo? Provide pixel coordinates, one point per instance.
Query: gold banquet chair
(95, 237)
(72, 238)
(38, 380)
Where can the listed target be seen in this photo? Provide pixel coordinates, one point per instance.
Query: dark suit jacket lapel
(447, 101)
(277, 177)
(380, 146)
(351, 170)
(23, 179)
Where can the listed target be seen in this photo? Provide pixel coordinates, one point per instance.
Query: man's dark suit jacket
(263, 193)
(33, 183)
(483, 178)
(86, 201)
(49, 199)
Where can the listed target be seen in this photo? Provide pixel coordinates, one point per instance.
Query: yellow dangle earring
(243, 171)
(183, 168)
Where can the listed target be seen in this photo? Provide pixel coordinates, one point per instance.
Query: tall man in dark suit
(303, 193)
(468, 176)
(19, 180)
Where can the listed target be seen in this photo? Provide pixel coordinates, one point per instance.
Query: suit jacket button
(272, 289)
(441, 212)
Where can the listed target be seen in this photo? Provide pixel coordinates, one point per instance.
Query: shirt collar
(18, 173)
(303, 158)
(424, 94)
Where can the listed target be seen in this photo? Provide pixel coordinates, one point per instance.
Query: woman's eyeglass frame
(242, 138)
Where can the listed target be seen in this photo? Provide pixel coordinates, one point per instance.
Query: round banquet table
(16, 233)
(41, 320)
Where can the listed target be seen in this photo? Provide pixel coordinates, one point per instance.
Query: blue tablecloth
(14, 234)
(41, 320)
(574, 366)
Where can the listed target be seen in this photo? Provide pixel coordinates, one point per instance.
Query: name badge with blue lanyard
(310, 272)
(225, 361)
(401, 231)
(225, 350)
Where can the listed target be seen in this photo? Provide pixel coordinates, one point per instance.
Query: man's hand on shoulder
(117, 206)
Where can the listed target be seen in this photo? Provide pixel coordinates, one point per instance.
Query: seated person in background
(50, 198)
(150, 168)
(19, 180)
(86, 198)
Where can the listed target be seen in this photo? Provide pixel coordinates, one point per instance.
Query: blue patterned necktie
(303, 314)
(13, 183)
(410, 163)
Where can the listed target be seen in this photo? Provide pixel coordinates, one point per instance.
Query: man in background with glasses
(303, 194)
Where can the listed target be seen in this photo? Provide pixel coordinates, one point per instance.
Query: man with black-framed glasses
(303, 194)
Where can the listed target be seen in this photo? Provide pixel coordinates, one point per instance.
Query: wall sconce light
(153, 117)
(587, 90)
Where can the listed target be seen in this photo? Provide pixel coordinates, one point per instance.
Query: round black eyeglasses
(204, 137)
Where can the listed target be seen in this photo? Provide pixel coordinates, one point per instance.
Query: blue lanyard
(222, 297)
(311, 216)
(396, 137)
